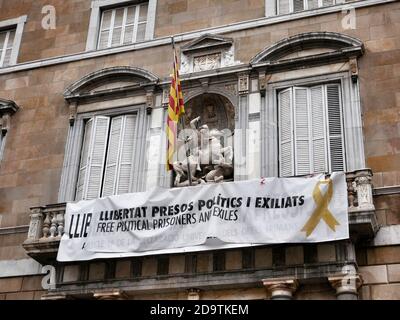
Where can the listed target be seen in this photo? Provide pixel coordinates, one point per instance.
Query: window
(310, 130)
(120, 22)
(289, 6)
(106, 157)
(6, 46)
(124, 25)
(109, 131)
(10, 40)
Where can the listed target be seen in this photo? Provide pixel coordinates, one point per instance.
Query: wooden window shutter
(283, 6)
(286, 156)
(298, 5)
(127, 153)
(301, 131)
(84, 160)
(318, 130)
(121, 149)
(336, 143)
(92, 158)
(110, 175)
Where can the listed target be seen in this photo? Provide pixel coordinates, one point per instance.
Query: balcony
(47, 222)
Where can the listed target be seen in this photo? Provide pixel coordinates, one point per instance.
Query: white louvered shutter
(130, 24)
(117, 179)
(127, 153)
(92, 158)
(318, 125)
(298, 5)
(283, 6)
(10, 44)
(117, 27)
(84, 160)
(286, 161)
(105, 29)
(142, 22)
(6, 46)
(328, 2)
(301, 131)
(335, 129)
(114, 143)
(312, 4)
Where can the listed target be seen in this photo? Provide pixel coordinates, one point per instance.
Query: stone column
(281, 289)
(346, 286)
(241, 125)
(110, 295)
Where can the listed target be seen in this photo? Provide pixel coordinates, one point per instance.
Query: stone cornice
(14, 230)
(218, 41)
(191, 35)
(381, 191)
(7, 107)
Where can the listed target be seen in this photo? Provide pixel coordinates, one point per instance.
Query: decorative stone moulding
(7, 109)
(207, 52)
(323, 48)
(99, 85)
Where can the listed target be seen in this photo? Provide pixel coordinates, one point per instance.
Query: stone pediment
(207, 42)
(307, 46)
(109, 85)
(110, 80)
(207, 52)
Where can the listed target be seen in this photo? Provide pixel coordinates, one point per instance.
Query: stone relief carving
(364, 192)
(229, 58)
(207, 62)
(243, 83)
(207, 57)
(185, 64)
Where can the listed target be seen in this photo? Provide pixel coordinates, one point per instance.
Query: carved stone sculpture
(208, 161)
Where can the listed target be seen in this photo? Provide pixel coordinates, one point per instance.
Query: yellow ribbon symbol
(321, 211)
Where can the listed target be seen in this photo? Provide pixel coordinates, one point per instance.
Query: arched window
(312, 113)
(108, 110)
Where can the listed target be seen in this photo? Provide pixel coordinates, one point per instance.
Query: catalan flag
(175, 110)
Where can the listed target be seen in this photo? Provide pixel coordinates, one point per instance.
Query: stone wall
(380, 270)
(387, 209)
(21, 288)
(31, 167)
(178, 16)
(172, 17)
(72, 20)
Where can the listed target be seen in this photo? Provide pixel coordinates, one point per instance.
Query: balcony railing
(47, 223)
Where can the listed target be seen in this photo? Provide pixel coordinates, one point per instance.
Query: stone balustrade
(47, 223)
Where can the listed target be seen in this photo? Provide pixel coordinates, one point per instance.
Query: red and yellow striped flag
(175, 110)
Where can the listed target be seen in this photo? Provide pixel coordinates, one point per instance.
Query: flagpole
(181, 122)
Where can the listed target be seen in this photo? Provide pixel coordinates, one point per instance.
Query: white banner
(204, 217)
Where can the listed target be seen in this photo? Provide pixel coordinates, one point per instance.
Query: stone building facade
(63, 63)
